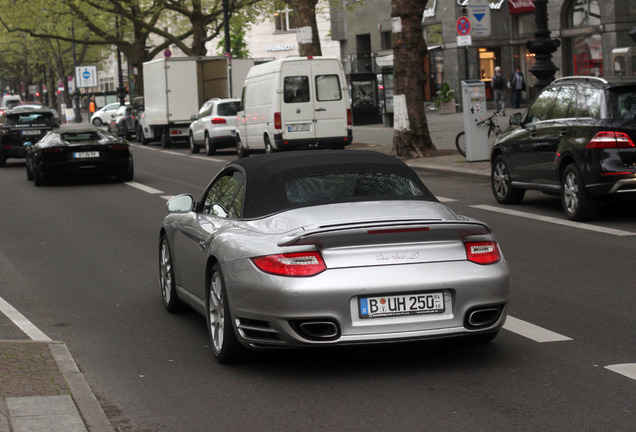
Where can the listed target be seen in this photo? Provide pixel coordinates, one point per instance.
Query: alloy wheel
(570, 193)
(165, 272)
(216, 311)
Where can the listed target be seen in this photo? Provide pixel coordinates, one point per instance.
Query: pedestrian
(499, 90)
(91, 106)
(517, 85)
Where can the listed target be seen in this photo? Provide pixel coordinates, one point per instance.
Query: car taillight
(482, 252)
(349, 117)
(278, 121)
(292, 264)
(218, 120)
(118, 147)
(52, 150)
(610, 139)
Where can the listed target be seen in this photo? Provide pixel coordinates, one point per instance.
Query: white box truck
(175, 89)
(294, 103)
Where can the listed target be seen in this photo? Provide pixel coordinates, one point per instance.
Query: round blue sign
(86, 75)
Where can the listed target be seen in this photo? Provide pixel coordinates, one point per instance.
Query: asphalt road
(79, 260)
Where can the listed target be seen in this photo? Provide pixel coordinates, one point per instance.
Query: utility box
(475, 112)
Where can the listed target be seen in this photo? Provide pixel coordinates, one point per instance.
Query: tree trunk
(411, 137)
(305, 12)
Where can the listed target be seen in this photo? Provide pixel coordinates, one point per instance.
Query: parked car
(215, 126)
(79, 150)
(10, 101)
(124, 122)
(103, 115)
(23, 123)
(328, 247)
(575, 140)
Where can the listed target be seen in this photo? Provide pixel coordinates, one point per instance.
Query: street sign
(167, 53)
(479, 14)
(464, 40)
(86, 76)
(463, 26)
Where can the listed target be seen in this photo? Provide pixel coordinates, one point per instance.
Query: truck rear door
(297, 107)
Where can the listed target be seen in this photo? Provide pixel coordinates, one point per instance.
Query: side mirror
(180, 204)
(515, 119)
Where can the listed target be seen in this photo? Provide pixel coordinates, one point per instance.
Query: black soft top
(266, 175)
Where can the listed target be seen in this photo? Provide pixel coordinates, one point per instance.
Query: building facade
(588, 31)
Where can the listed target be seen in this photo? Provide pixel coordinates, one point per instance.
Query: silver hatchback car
(214, 127)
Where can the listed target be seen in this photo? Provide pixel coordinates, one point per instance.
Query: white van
(10, 101)
(294, 103)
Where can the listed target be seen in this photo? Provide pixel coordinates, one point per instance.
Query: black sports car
(79, 150)
(22, 124)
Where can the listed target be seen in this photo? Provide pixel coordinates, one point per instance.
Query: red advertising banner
(520, 6)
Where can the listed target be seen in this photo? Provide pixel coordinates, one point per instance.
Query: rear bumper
(310, 143)
(97, 167)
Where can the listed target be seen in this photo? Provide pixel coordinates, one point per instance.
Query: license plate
(298, 128)
(85, 155)
(31, 132)
(402, 304)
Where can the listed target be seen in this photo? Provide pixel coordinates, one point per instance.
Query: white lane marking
(144, 188)
(174, 153)
(557, 221)
(167, 197)
(207, 158)
(626, 369)
(532, 331)
(442, 199)
(24, 324)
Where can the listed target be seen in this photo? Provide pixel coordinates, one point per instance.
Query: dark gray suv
(575, 140)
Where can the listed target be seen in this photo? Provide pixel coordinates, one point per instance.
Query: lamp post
(542, 46)
(227, 54)
(76, 93)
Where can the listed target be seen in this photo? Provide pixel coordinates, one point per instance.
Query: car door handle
(321, 109)
(563, 132)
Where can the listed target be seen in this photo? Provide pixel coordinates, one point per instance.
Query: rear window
(621, 103)
(343, 186)
(328, 88)
(29, 119)
(227, 108)
(296, 89)
(81, 136)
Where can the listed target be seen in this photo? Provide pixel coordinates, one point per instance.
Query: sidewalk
(41, 388)
(443, 130)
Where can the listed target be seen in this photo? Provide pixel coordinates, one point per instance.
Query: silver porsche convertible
(325, 248)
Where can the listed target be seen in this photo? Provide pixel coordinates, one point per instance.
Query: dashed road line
(144, 188)
(22, 322)
(531, 331)
(626, 369)
(557, 221)
(445, 200)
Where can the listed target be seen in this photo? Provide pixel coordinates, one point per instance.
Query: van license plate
(31, 132)
(298, 128)
(400, 305)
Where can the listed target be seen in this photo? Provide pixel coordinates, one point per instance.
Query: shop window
(587, 51)
(585, 13)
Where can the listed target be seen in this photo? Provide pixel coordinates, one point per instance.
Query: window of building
(284, 18)
(586, 50)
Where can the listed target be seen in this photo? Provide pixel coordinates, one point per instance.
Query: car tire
(241, 152)
(194, 149)
(269, 149)
(141, 139)
(225, 346)
(166, 278)
(128, 176)
(127, 133)
(3, 161)
(38, 177)
(577, 202)
(500, 183)
(97, 122)
(209, 145)
(29, 172)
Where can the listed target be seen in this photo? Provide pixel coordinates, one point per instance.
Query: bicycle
(493, 132)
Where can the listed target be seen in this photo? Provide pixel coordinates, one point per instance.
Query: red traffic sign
(463, 26)
(167, 53)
